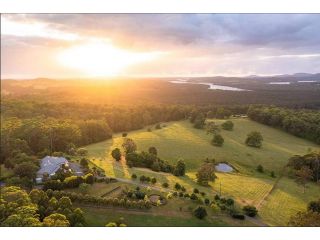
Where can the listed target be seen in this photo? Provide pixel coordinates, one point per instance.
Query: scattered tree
(206, 173)
(200, 212)
(116, 154)
(254, 139)
(260, 168)
(129, 146)
(250, 210)
(153, 150)
(165, 185)
(227, 125)
(180, 168)
(217, 140)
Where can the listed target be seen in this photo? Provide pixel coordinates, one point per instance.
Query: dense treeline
(37, 208)
(161, 91)
(42, 136)
(40, 129)
(301, 123)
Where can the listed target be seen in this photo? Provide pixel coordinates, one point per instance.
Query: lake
(211, 86)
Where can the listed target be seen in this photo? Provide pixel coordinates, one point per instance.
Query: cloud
(211, 43)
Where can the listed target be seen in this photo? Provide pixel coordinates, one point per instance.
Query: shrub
(84, 162)
(116, 154)
(124, 134)
(272, 174)
(142, 178)
(196, 190)
(153, 180)
(165, 185)
(202, 194)
(183, 189)
(82, 151)
(260, 168)
(238, 216)
(180, 194)
(230, 202)
(158, 126)
(250, 210)
(134, 176)
(207, 201)
(177, 186)
(193, 196)
(200, 212)
(216, 197)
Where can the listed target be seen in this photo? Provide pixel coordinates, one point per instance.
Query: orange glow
(99, 58)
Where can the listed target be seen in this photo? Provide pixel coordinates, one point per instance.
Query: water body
(306, 81)
(223, 167)
(279, 83)
(210, 85)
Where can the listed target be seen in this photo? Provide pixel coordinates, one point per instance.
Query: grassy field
(100, 217)
(181, 140)
(286, 200)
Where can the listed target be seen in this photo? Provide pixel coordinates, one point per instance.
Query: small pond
(223, 167)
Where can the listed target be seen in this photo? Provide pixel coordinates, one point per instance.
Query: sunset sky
(89, 45)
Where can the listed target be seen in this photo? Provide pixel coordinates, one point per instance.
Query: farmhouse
(50, 165)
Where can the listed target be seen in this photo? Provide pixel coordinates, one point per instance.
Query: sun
(99, 58)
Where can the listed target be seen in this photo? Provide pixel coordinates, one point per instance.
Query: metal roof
(51, 164)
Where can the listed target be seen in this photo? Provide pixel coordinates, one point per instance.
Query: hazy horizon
(64, 46)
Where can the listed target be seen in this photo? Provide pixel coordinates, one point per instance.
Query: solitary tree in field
(227, 125)
(260, 168)
(206, 173)
(129, 145)
(254, 139)
(217, 140)
(116, 154)
(303, 176)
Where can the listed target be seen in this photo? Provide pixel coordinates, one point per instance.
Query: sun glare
(99, 58)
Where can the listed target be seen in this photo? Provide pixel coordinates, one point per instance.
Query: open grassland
(286, 200)
(100, 217)
(181, 140)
